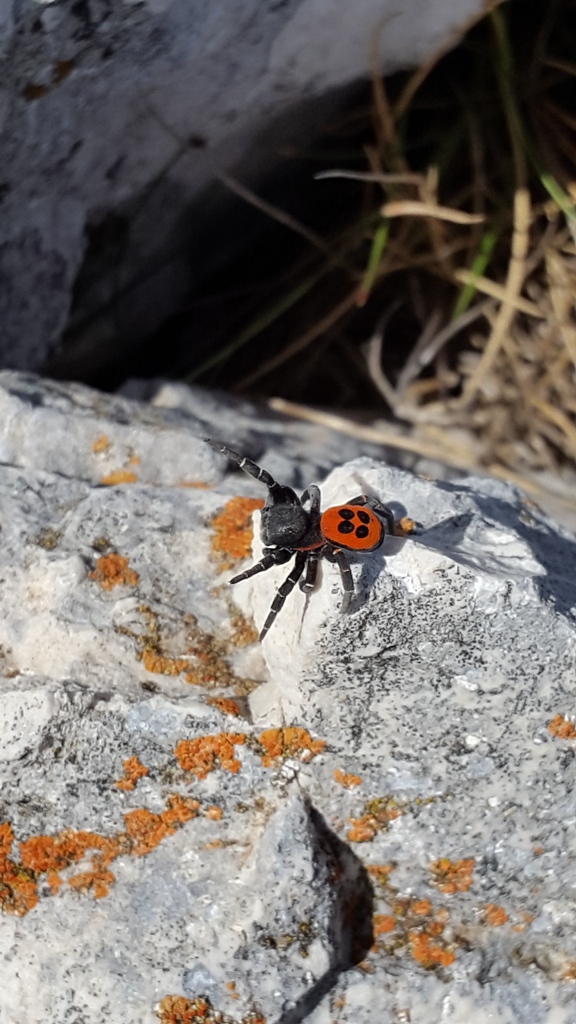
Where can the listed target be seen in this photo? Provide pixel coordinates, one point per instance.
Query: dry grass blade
(415, 208)
(497, 291)
(379, 177)
(514, 282)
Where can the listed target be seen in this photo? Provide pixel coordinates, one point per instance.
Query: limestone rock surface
(364, 814)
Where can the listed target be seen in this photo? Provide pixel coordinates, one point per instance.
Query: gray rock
(407, 846)
(121, 114)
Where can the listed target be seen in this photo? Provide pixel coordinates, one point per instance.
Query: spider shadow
(555, 551)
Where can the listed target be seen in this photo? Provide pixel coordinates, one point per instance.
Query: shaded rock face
(115, 116)
(364, 811)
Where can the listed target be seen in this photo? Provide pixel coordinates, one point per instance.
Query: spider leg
(277, 491)
(283, 591)
(272, 556)
(309, 581)
(312, 494)
(337, 555)
(376, 505)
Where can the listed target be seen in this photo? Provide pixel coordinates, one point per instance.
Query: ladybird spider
(288, 529)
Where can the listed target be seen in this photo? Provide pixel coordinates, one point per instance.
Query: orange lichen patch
(18, 889)
(346, 779)
(538, 851)
(43, 854)
(96, 882)
(205, 753)
(232, 530)
(133, 770)
(416, 925)
(292, 741)
(383, 923)
(18, 892)
(494, 915)
(561, 728)
(179, 1010)
(225, 705)
(179, 810)
(54, 882)
(380, 872)
(421, 907)
(404, 527)
(201, 484)
(162, 665)
(214, 813)
(6, 840)
(113, 571)
(145, 830)
(134, 460)
(49, 855)
(427, 953)
(100, 444)
(119, 476)
(379, 814)
(452, 876)
(363, 829)
(206, 665)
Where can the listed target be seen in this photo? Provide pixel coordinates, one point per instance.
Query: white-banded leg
(272, 556)
(276, 489)
(338, 556)
(376, 505)
(309, 581)
(283, 591)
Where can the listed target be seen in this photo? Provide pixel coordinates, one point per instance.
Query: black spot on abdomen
(346, 526)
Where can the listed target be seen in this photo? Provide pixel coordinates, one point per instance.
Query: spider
(287, 528)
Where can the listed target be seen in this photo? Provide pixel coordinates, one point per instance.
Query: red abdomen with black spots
(352, 527)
